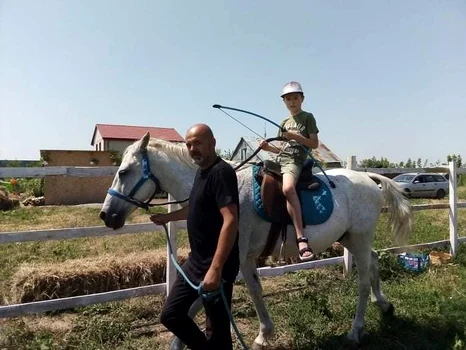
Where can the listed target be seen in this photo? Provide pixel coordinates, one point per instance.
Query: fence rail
(99, 231)
(111, 171)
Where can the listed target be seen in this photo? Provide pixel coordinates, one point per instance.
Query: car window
(419, 179)
(430, 178)
(403, 178)
(440, 178)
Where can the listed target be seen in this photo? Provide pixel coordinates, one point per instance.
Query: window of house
(243, 153)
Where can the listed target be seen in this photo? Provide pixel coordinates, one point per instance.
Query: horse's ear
(144, 142)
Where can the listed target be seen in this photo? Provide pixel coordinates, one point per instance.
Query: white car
(423, 184)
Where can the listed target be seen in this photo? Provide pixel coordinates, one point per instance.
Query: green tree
(225, 154)
(376, 163)
(455, 158)
(13, 164)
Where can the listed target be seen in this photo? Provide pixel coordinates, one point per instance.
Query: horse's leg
(176, 343)
(377, 296)
(362, 256)
(251, 278)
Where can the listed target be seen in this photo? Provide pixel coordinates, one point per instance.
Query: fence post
(171, 269)
(347, 256)
(453, 208)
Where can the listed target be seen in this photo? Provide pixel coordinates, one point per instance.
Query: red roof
(128, 132)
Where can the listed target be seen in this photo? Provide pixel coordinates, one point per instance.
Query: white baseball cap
(292, 86)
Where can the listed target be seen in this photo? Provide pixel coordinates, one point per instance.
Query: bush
(31, 187)
(462, 180)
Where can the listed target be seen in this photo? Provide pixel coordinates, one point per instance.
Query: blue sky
(383, 78)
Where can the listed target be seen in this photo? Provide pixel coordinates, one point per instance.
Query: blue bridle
(146, 175)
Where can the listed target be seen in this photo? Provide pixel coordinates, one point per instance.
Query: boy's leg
(175, 317)
(294, 209)
(218, 330)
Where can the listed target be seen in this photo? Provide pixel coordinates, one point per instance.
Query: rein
(206, 295)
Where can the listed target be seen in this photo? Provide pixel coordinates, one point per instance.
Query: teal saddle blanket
(316, 205)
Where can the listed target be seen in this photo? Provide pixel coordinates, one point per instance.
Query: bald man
(212, 221)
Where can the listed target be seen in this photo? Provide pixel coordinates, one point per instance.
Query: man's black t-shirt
(213, 189)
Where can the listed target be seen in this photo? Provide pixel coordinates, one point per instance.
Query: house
(247, 145)
(108, 137)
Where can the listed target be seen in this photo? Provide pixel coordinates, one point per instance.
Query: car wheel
(440, 194)
(407, 193)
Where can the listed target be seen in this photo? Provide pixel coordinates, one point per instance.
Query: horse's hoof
(257, 346)
(390, 311)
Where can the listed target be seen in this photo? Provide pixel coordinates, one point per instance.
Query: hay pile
(34, 282)
(6, 202)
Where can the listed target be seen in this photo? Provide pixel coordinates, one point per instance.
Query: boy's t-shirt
(304, 124)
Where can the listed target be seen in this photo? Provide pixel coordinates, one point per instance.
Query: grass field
(311, 309)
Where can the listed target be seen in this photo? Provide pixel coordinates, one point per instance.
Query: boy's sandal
(304, 250)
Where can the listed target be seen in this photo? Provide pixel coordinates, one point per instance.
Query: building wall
(117, 145)
(243, 151)
(68, 190)
(99, 142)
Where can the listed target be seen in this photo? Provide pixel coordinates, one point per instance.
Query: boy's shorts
(290, 167)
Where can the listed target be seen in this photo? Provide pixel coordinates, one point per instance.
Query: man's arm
(225, 244)
(178, 215)
(227, 237)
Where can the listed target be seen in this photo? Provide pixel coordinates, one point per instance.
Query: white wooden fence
(99, 231)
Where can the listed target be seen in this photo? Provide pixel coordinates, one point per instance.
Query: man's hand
(160, 219)
(212, 280)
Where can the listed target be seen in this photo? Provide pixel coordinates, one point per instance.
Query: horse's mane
(173, 150)
(178, 151)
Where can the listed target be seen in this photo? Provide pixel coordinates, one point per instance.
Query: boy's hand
(160, 219)
(288, 135)
(264, 145)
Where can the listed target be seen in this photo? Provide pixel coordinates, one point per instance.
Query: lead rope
(205, 295)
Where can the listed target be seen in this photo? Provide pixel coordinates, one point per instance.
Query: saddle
(270, 179)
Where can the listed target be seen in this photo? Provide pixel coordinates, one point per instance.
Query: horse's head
(134, 185)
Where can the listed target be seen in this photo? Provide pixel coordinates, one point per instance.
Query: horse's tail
(398, 208)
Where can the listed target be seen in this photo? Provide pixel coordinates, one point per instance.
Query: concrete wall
(66, 190)
(118, 145)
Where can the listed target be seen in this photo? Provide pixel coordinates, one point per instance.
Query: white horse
(358, 202)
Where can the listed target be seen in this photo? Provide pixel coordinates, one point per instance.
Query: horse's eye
(122, 172)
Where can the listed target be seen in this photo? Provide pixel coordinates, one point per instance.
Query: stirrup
(313, 186)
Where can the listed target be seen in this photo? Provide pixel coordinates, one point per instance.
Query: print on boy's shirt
(292, 148)
(292, 126)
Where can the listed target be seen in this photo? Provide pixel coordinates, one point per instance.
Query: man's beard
(197, 159)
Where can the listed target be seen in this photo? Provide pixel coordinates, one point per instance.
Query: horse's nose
(102, 215)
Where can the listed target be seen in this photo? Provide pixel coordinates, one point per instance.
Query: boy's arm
(268, 147)
(311, 142)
